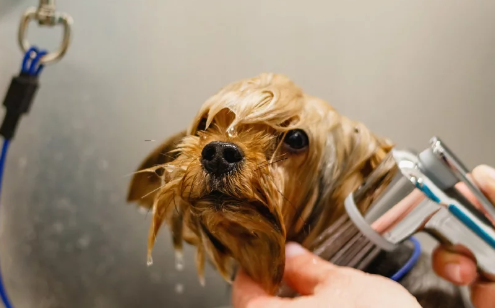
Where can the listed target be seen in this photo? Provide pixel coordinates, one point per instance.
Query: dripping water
(179, 288)
(149, 261)
(179, 260)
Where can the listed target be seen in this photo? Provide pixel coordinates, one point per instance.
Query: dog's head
(261, 164)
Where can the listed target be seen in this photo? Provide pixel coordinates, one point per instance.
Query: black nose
(219, 158)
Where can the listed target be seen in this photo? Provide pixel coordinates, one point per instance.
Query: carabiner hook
(46, 15)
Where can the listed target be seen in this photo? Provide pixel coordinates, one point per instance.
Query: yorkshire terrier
(264, 163)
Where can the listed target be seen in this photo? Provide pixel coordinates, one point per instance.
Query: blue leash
(3, 157)
(31, 67)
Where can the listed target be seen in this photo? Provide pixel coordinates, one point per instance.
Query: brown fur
(275, 196)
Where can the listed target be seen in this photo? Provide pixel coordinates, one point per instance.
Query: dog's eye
(296, 139)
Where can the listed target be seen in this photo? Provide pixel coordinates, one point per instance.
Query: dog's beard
(246, 232)
(234, 220)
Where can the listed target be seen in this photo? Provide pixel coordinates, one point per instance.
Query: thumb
(304, 271)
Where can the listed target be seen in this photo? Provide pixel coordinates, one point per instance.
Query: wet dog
(261, 164)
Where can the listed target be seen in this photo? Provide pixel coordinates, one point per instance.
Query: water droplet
(202, 280)
(58, 226)
(203, 137)
(169, 168)
(231, 132)
(179, 261)
(179, 288)
(149, 261)
(83, 242)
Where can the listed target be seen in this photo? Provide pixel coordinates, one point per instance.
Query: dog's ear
(365, 151)
(351, 152)
(382, 148)
(144, 185)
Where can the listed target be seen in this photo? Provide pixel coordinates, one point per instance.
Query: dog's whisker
(192, 185)
(167, 155)
(175, 204)
(293, 206)
(139, 171)
(277, 148)
(271, 163)
(154, 190)
(147, 213)
(275, 157)
(174, 157)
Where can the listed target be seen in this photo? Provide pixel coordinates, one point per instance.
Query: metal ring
(64, 19)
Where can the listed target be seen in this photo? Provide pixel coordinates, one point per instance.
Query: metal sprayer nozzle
(409, 193)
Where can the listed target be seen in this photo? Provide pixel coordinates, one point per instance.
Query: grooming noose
(23, 87)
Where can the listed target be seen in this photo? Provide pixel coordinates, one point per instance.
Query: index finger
(484, 178)
(460, 267)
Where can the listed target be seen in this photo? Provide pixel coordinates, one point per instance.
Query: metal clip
(445, 155)
(46, 15)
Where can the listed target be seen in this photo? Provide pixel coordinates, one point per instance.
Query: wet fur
(245, 218)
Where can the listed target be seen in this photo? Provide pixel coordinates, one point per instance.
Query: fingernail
(453, 272)
(293, 249)
(488, 173)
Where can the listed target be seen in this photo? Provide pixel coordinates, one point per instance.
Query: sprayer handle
(451, 231)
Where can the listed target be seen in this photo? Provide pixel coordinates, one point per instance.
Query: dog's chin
(245, 232)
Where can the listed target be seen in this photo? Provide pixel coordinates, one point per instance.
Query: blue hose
(410, 263)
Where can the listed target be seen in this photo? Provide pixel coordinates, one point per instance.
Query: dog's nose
(219, 158)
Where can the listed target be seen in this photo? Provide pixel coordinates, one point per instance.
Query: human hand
(460, 269)
(323, 284)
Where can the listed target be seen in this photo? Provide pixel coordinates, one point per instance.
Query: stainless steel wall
(139, 70)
